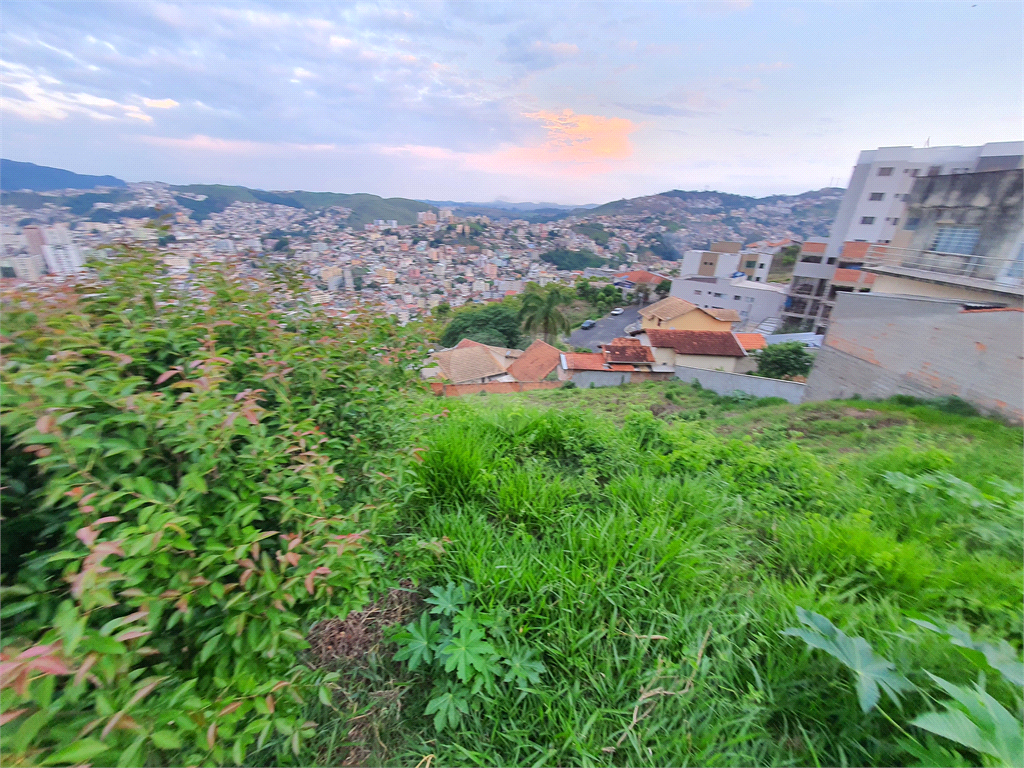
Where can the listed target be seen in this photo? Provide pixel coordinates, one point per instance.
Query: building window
(935, 170)
(750, 299)
(955, 240)
(831, 261)
(719, 296)
(867, 219)
(912, 223)
(760, 266)
(915, 172)
(875, 196)
(696, 293)
(736, 298)
(885, 171)
(749, 264)
(896, 221)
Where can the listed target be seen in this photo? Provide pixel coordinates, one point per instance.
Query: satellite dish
(739, 274)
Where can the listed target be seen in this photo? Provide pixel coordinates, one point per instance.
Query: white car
(616, 311)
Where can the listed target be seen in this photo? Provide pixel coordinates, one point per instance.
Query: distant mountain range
(42, 178)
(819, 206)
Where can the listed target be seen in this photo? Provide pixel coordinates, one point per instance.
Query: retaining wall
(496, 388)
(726, 383)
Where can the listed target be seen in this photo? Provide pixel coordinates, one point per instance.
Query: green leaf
(128, 757)
(976, 720)
(446, 601)
(523, 669)
(81, 751)
(1000, 657)
(416, 642)
(104, 645)
(28, 730)
(467, 653)
(872, 671)
(447, 709)
(166, 740)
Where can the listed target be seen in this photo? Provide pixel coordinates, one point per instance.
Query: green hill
(365, 208)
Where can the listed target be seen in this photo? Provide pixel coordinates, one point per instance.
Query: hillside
(15, 175)
(825, 200)
(266, 544)
(365, 208)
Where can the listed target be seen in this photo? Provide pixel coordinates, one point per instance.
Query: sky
(565, 102)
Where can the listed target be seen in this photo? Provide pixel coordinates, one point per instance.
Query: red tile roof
(583, 361)
(751, 341)
(854, 251)
(627, 351)
(535, 363)
(711, 343)
(854, 276)
(621, 367)
(993, 309)
(812, 248)
(639, 276)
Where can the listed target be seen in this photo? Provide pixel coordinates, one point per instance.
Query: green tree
(780, 360)
(541, 312)
(442, 310)
(501, 318)
(663, 288)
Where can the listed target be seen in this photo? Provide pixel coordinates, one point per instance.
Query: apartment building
(817, 278)
(728, 259)
(753, 302)
(873, 207)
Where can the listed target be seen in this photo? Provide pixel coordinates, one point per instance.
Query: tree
(663, 288)
(501, 318)
(540, 312)
(643, 292)
(442, 310)
(780, 360)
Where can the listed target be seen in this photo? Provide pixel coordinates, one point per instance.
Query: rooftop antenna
(928, 141)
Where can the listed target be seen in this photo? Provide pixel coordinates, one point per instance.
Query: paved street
(607, 328)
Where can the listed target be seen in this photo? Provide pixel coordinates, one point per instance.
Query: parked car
(617, 311)
(587, 325)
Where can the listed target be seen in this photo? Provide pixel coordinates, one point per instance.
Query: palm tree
(540, 311)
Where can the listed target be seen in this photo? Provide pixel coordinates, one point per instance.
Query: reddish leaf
(309, 582)
(45, 424)
(109, 519)
(49, 665)
(229, 709)
(166, 375)
(6, 717)
(270, 703)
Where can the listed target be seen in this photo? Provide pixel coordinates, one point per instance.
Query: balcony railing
(982, 272)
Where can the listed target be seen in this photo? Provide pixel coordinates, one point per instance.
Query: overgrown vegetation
(195, 485)
(563, 258)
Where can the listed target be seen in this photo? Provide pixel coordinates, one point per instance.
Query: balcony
(982, 273)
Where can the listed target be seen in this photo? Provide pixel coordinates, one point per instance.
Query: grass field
(614, 567)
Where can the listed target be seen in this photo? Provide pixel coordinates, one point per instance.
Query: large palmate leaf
(976, 720)
(468, 653)
(417, 642)
(523, 668)
(873, 672)
(1000, 657)
(448, 709)
(446, 601)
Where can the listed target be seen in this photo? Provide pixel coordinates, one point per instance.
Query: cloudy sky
(570, 102)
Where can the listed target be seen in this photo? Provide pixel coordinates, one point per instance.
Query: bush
(776, 361)
(192, 493)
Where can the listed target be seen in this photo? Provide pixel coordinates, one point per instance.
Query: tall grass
(652, 564)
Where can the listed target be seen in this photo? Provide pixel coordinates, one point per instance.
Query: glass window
(736, 298)
(749, 264)
(885, 171)
(696, 293)
(955, 240)
(877, 196)
(867, 219)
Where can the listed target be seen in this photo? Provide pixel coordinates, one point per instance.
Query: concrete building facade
(753, 301)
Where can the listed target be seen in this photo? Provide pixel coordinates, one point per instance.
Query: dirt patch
(350, 639)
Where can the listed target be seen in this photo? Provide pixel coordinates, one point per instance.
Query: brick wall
(881, 345)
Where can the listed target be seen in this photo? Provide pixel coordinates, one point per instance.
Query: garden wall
(726, 383)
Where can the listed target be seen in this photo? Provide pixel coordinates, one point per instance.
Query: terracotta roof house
(470, 362)
(679, 314)
(638, 276)
(751, 341)
(535, 363)
(629, 351)
(710, 350)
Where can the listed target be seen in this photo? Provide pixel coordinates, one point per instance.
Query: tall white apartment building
(873, 206)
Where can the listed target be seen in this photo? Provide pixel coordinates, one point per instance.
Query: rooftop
(710, 343)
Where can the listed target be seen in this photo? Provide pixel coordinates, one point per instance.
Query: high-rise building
(872, 212)
(875, 199)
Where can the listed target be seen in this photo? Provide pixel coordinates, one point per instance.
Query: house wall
(615, 378)
(727, 383)
(755, 304)
(880, 345)
(707, 362)
(691, 321)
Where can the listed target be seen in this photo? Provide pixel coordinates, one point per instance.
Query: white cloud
(35, 96)
(160, 103)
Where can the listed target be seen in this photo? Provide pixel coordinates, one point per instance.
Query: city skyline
(566, 103)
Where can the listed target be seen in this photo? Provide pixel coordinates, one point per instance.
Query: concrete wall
(707, 362)
(881, 345)
(727, 383)
(908, 287)
(615, 378)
